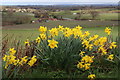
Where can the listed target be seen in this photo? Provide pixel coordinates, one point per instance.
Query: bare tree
(94, 14)
(79, 15)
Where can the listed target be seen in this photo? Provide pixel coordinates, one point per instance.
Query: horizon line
(55, 3)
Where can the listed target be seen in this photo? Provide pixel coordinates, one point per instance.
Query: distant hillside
(60, 3)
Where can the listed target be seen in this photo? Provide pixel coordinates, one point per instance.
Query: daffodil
(38, 40)
(85, 42)
(66, 29)
(87, 33)
(12, 59)
(68, 32)
(102, 40)
(93, 37)
(102, 50)
(12, 51)
(108, 30)
(81, 53)
(80, 65)
(23, 60)
(16, 62)
(78, 27)
(5, 58)
(53, 32)
(85, 62)
(110, 57)
(91, 76)
(87, 59)
(113, 45)
(6, 66)
(89, 46)
(52, 43)
(32, 61)
(60, 28)
(96, 42)
(43, 36)
(87, 66)
(42, 29)
(76, 32)
(27, 42)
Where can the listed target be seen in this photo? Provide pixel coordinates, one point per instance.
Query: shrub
(63, 54)
(11, 19)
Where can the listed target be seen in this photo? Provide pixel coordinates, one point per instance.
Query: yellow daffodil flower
(27, 42)
(52, 43)
(81, 53)
(42, 29)
(12, 51)
(43, 36)
(60, 28)
(108, 30)
(32, 61)
(38, 40)
(110, 57)
(112, 45)
(91, 76)
(53, 32)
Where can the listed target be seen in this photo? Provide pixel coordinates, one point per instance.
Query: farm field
(50, 24)
(103, 15)
(27, 30)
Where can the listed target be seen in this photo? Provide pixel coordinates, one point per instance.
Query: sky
(23, 2)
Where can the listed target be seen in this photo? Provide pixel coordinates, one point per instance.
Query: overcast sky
(53, 1)
(59, 0)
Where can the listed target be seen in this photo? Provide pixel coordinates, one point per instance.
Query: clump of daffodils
(85, 62)
(93, 46)
(11, 59)
(98, 45)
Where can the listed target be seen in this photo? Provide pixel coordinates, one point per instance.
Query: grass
(108, 16)
(61, 74)
(102, 15)
(104, 9)
(30, 31)
(33, 33)
(69, 14)
(64, 23)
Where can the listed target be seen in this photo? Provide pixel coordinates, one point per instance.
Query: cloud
(60, 1)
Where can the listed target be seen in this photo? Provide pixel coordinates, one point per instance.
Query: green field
(85, 23)
(30, 31)
(104, 14)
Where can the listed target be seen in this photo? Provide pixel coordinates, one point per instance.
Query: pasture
(30, 31)
(104, 14)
